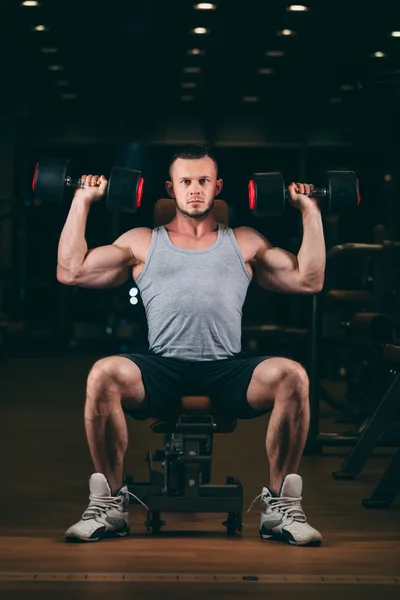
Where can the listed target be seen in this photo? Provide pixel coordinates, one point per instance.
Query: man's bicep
(278, 259)
(105, 266)
(278, 270)
(109, 266)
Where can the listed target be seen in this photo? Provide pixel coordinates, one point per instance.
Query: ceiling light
(286, 32)
(347, 88)
(200, 30)
(274, 53)
(336, 100)
(29, 3)
(195, 51)
(379, 54)
(250, 98)
(395, 34)
(205, 6)
(56, 68)
(297, 8)
(192, 70)
(40, 28)
(264, 71)
(68, 96)
(188, 85)
(49, 50)
(187, 98)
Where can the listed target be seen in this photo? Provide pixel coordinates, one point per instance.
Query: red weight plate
(35, 177)
(252, 194)
(139, 193)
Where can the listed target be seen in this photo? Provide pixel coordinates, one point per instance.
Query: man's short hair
(191, 152)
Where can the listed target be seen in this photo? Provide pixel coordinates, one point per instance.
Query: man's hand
(96, 188)
(299, 196)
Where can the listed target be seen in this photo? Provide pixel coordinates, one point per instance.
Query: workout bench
(183, 482)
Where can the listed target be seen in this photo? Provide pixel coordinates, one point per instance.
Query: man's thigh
(164, 381)
(227, 382)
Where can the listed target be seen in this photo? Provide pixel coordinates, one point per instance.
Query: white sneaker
(106, 516)
(282, 517)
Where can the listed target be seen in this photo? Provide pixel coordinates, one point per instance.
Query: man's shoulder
(243, 230)
(251, 241)
(250, 235)
(138, 233)
(138, 240)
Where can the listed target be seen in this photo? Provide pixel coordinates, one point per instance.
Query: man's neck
(193, 227)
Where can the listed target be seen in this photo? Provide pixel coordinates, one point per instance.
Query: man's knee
(101, 373)
(290, 374)
(298, 374)
(115, 373)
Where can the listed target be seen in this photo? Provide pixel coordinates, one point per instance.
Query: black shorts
(224, 381)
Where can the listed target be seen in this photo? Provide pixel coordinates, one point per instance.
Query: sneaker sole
(278, 537)
(105, 535)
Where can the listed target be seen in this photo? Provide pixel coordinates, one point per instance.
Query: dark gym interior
(299, 89)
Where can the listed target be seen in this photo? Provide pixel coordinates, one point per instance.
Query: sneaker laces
(289, 506)
(99, 504)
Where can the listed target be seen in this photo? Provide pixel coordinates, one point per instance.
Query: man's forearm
(72, 247)
(311, 257)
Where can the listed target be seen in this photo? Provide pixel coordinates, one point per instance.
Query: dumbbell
(268, 196)
(52, 177)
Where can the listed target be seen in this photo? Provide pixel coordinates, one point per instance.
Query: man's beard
(197, 216)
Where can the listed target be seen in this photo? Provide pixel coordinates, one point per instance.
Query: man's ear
(170, 189)
(218, 186)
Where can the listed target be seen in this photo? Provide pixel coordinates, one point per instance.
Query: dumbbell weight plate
(48, 182)
(343, 191)
(267, 195)
(124, 190)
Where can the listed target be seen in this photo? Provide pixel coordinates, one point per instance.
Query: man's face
(194, 186)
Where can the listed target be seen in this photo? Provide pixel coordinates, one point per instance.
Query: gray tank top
(194, 298)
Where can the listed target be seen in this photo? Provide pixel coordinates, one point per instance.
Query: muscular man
(193, 276)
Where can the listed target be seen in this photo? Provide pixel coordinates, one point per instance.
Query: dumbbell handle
(316, 193)
(78, 183)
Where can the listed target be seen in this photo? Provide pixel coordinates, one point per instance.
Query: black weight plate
(267, 195)
(49, 179)
(343, 191)
(124, 190)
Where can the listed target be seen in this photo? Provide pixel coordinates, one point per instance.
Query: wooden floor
(45, 466)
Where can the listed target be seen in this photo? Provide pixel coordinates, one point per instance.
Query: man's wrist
(81, 202)
(311, 209)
